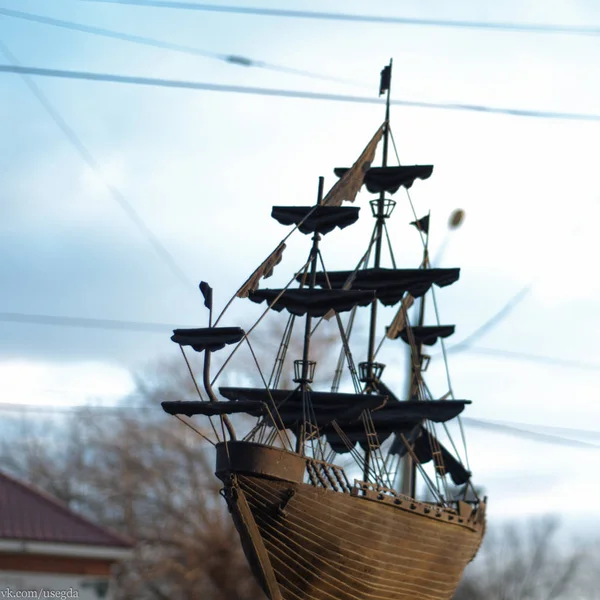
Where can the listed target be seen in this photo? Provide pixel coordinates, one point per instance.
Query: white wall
(49, 585)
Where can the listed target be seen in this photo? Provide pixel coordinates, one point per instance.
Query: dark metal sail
(389, 285)
(312, 302)
(394, 418)
(427, 335)
(391, 179)
(208, 338)
(316, 219)
(286, 407)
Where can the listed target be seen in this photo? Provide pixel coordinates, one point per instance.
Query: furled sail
(351, 180)
(390, 179)
(390, 285)
(426, 334)
(314, 302)
(399, 322)
(208, 338)
(265, 270)
(316, 219)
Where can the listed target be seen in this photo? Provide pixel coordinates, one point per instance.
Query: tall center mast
(304, 369)
(378, 208)
(379, 214)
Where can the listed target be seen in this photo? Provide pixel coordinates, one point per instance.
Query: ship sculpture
(309, 529)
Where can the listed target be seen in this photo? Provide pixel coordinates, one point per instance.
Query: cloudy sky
(202, 170)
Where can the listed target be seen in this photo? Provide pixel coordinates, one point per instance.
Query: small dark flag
(386, 76)
(207, 293)
(422, 224)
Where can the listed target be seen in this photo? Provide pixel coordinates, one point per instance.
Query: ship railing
(362, 487)
(365, 488)
(327, 475)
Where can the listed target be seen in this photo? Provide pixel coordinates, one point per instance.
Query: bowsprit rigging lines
(197, 85)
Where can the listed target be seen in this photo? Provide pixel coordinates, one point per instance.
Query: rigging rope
(275, 423)
(255, 325)
(438, 321)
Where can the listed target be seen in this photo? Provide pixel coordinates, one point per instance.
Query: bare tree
(525, 561)
(148, 476)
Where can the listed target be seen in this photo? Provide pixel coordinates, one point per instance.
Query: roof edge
(54, 549)
(120, 539)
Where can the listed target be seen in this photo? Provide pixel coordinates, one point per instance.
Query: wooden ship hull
(310, 542)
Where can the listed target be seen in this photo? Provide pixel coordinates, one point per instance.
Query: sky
(202, 170)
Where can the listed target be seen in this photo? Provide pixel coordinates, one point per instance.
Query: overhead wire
(86, 323)
(507, 309)
(242, 61)
(87, 157)
(538, 358)
(548, 28)
(492, 321)
(148, 327)
(300, 94)
(535, 436)
(144, 411)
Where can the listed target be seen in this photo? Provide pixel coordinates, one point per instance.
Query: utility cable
(523, 433)
(538, 358)
(143, 410)
(515, 429)
(87, 157)
(242, 61)
(197, 85)
(391, 20)
(110, 324)
(492, 321)
(162, 328)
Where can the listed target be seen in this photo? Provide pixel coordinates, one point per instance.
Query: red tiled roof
(27, 513)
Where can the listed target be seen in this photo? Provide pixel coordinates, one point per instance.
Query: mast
(409, 468)
(379, 214)
(305, 368)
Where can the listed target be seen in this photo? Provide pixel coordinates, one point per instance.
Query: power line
(516, 429)
(137, 39)
(112, 324)
(214, 87)
(549, 360)
(164, 328)
(532, 435)
(492, 321)
(304, 14)
(87, 157)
